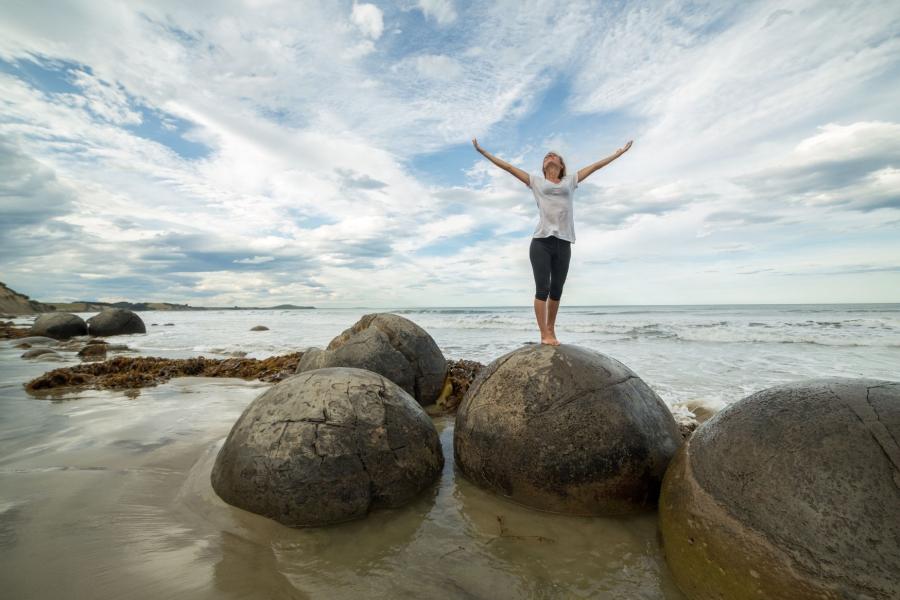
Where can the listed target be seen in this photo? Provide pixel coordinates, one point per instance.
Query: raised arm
(583, 173)
(515, 171)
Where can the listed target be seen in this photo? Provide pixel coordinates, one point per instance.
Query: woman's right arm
(515, 171)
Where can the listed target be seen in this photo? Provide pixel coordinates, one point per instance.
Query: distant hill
(87, 306)
(14, 303)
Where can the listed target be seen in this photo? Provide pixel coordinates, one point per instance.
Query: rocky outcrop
(565, 429)
(115, 321)
(389, 345)
(328, 446)
(60, 326)
(793, 492)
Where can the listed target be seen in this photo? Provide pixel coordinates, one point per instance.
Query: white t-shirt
(554, 201)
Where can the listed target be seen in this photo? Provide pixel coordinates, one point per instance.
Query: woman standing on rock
(555, 232)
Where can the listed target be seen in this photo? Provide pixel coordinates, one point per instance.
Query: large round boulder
(59, 326)
(115, 321)
(565, 429)
(793, 492)
(390, 345)
(328, 446)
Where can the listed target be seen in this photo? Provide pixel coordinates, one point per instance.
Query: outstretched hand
(475, 143)
(624, 148)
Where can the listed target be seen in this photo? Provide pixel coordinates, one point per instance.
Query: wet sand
(107, 495)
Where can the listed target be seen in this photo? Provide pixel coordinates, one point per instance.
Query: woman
(554, 235)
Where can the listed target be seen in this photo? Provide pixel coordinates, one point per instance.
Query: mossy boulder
(793, 492)
(565, 429)
(328, 446)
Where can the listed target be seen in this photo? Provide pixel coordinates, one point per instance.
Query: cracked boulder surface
(389, 345)
(328, 446)
(115, 321)
(565, 429)
(792, 492)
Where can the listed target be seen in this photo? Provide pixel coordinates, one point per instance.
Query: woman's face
(552, 158)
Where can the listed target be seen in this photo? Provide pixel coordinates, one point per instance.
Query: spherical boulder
(793, 492)
(328, 446)
(115, 321)
(390, 345)
(60, 326)
(565, 429)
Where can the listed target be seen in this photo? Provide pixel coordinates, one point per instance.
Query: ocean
(106, 494)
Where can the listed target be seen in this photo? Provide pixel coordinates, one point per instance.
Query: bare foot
(552, 339)
(549, 341)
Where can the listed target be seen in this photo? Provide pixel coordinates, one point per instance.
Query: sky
(259, 152)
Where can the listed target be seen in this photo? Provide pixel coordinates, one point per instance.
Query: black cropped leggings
(550, 263)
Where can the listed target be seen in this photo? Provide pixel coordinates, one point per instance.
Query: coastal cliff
(14, 303)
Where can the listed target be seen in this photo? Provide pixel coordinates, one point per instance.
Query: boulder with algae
(793, 492)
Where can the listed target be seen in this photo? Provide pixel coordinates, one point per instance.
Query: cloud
(441, 11)
(31, 192)
(266, 156)
(856, 166)
(108, 102)
(369, 19)
(437, 66)
(711, 84)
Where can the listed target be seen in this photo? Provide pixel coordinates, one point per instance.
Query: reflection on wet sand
(109, 497)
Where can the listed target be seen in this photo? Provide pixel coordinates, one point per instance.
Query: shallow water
(107, 494)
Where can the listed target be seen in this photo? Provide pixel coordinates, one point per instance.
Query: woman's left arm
(583, 173)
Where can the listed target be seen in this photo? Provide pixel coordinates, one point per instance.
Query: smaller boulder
(390, 345)
(93, 352)
(36, 352)
(28, 342)
(115, 321)
(259, 328)
(60, 326)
